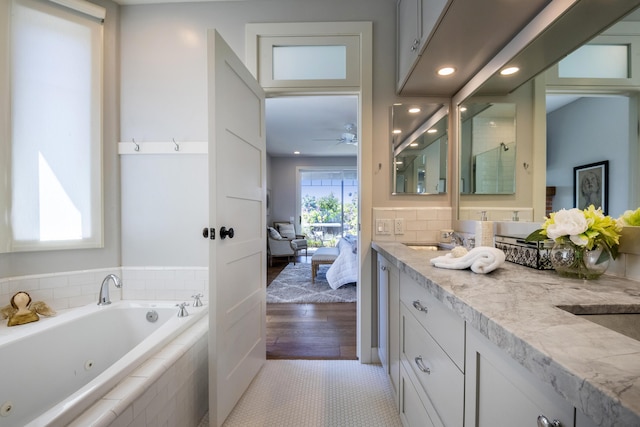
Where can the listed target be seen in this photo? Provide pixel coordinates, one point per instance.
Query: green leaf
(536, 236)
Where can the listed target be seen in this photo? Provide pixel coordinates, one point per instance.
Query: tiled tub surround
(170, 389)
(515, 307)
(78, 288)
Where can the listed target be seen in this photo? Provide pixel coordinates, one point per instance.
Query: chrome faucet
(457, 239)
(104, 289)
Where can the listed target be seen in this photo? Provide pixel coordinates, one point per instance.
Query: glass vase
(577, 262)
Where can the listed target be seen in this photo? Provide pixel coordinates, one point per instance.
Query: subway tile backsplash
(419, 225)
(78, 288)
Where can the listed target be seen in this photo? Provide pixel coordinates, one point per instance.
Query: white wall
(19, 264)
(576, 135)
(283, 181)
(164, 73)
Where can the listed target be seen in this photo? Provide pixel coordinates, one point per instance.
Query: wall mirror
(488, 147)
(563, 122)
(420, 147)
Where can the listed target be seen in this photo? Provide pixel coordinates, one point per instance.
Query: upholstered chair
(283, 241)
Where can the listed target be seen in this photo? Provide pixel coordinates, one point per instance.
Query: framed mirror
(569, 122)
(420, 147)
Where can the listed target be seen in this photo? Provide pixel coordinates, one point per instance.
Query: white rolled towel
(483, 259)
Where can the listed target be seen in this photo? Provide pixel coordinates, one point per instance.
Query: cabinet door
(408, 37)
(412, 411)
(431, 11)
(383, 312)
(501, 392)
(394, 328)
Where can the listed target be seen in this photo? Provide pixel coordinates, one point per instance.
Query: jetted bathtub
(54, 369)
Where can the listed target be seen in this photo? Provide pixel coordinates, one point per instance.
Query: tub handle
(196, 300)
(183, 311)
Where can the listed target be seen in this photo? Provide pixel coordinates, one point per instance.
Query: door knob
(224, 232)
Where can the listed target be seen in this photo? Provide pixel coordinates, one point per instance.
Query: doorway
(313, 182)
(357, 37)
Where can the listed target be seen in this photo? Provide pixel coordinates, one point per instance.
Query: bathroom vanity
(517, 346)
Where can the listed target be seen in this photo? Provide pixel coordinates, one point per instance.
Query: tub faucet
(182, 312)
(104, 289)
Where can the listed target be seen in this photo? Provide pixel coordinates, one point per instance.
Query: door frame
(364, 30)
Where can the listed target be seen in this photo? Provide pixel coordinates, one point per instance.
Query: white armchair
(285, 242)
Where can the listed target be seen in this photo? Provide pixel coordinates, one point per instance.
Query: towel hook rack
(136, 144)
(177, 147)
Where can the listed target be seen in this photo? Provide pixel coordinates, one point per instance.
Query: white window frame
(92, 235)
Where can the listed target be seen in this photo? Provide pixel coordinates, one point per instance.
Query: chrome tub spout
(104, 289)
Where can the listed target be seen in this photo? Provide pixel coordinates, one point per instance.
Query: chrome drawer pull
(422, 366)
(418, 306)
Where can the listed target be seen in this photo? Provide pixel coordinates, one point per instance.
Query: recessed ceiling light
(296, 152)
(446, 71)
(397, 131)
(432, 131)
(414, 110)
(509, 70)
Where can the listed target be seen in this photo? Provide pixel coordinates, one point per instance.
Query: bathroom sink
(624, 323)
(423, 246)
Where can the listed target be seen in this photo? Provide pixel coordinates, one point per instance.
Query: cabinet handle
(418, 306)
(544, 422)
(424, 368)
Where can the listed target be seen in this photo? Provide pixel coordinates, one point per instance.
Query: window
(304, 62)
(55, 64)
(329, 204)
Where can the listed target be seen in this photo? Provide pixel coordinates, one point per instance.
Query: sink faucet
(457, 239)
(104, 289)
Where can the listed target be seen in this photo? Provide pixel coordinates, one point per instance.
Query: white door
(237, 269)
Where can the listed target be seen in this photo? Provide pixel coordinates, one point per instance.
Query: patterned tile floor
(314, 393)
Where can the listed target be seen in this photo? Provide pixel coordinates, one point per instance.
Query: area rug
(293, 285)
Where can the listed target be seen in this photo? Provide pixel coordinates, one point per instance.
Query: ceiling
(311, 125)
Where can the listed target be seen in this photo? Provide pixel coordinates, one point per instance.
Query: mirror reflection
(488, 147)
(587, 119)
(420, 154)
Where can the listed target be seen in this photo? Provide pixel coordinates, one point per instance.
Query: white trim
(364, 30)
(85, 7)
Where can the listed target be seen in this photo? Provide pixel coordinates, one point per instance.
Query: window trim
(96, 237)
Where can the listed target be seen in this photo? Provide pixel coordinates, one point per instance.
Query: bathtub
(54, 369)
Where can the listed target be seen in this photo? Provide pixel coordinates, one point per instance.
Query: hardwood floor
(309, 331)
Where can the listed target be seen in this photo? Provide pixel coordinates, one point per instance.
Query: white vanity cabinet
(500, 392)
(416, 20)
(432, 357)
(389, 321)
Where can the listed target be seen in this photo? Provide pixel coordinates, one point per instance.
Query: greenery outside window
(329, 205)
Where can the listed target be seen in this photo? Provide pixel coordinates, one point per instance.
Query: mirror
(488, 148)
(420, 146)
(552, 145)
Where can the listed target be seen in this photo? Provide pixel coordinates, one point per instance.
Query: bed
(345, 268)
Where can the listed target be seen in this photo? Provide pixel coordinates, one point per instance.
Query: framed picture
(590, 185)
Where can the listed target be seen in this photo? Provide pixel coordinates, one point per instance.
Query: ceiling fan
(349, 136)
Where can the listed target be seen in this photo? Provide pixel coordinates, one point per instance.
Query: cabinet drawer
(412, 410)
(438, 376)
(446, 327)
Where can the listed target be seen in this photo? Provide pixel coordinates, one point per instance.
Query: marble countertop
(597, 370)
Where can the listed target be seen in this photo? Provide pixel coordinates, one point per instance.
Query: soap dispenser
(484, 231)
